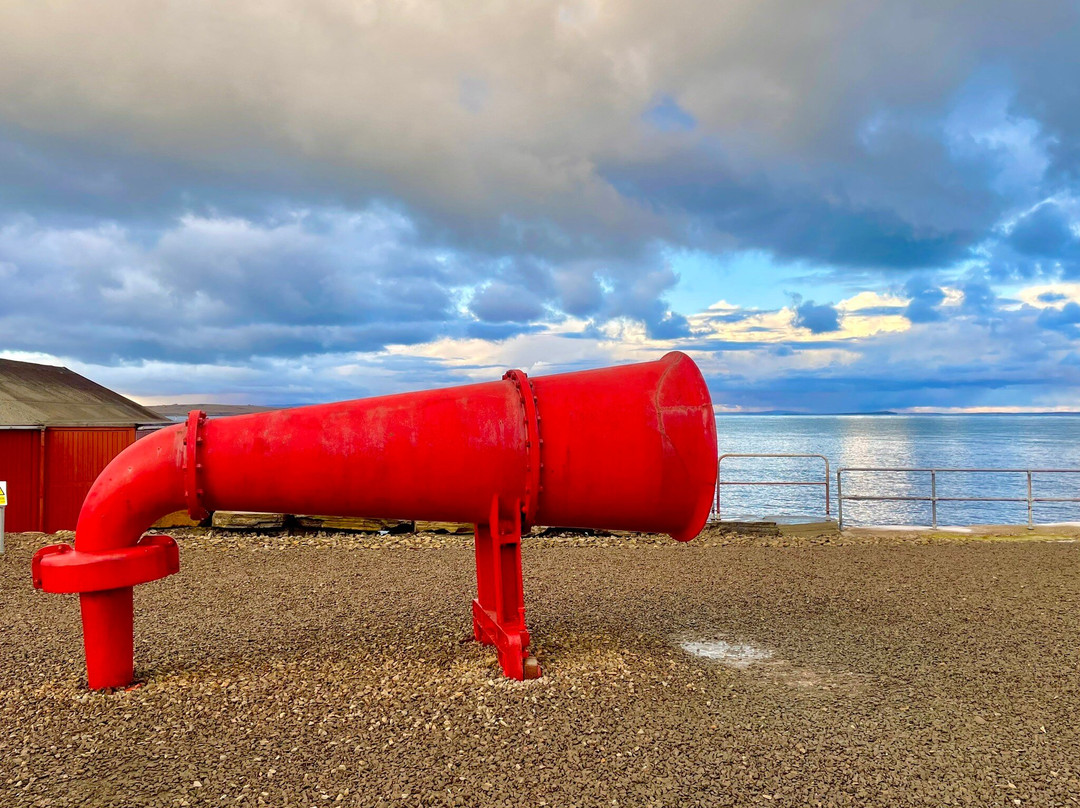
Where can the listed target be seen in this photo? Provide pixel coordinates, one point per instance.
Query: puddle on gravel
(763, 662)
(732, 655)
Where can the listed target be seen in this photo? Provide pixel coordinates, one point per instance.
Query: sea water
(922, 441)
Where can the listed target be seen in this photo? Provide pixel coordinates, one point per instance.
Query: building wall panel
(20, 458)
(73, 459)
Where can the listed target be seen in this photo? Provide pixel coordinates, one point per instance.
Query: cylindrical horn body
(434, 455)
(630, 447)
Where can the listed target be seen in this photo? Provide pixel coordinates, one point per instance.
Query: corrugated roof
(45, 395)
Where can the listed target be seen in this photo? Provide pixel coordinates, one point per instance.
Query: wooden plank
(358, 524)
(245, 520)
(447, 527)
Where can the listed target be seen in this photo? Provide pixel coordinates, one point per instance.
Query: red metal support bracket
(499, 608)
(193, 467)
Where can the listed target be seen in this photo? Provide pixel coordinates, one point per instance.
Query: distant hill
(178, 412)
(793, 412)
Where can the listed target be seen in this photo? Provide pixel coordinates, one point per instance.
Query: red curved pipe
(141, 484)
(630, 447)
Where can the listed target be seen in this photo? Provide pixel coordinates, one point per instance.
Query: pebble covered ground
(338, 670)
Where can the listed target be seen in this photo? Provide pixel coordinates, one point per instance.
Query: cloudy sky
(832, 206)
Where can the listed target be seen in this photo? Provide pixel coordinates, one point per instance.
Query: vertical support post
(499, 608)
(2, 509)
(718, 518)
(933, 498)
(108, 637)
(826, 488)
(839, 501)
(1031, 522)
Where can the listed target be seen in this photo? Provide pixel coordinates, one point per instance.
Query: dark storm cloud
(980, 299)
(882, 137)
(640, 296)
(580, 292)
(498, 331)
(1051, 297)
(1043, 233)
(1066, 319)
(707, 203)
(1043, 242)
(926, 297)
(819, 319)
(214, 289)
(71, 179)
(499, 302)
(1047, 236)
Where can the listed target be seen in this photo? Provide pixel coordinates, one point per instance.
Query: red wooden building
(58, 430)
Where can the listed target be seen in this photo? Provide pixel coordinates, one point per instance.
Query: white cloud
(1049, 295)
(870, 300)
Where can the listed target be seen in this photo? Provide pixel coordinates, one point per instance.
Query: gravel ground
(336, 670)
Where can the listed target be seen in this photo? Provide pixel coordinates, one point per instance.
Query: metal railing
(934, 499)
(720, 481)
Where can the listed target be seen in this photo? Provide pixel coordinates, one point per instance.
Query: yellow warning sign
(3, 493)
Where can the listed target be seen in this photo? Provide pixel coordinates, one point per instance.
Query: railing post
(827, 514)
(718, 487)
(839, 501)
(1031, 523)
(933, 498)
